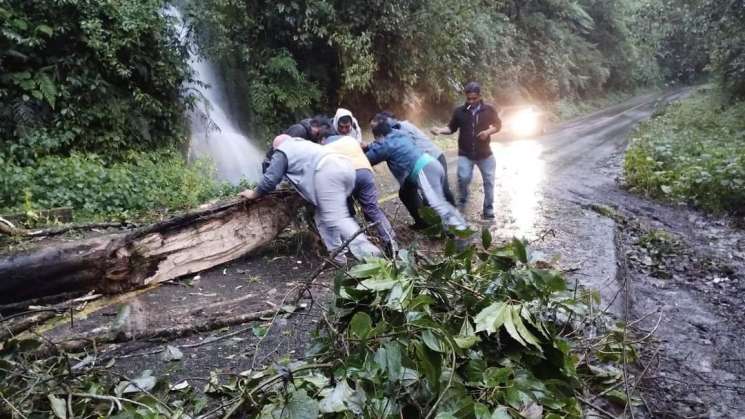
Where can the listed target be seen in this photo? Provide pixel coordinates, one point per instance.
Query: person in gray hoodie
(323, 178)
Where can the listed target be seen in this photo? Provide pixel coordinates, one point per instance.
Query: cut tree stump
(182, 245)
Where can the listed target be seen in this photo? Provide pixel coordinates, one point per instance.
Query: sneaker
(488, 216)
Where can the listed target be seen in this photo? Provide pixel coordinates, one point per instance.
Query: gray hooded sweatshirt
(297, 159)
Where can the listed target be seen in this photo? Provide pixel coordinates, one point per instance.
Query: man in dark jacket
(312, 129)
(475, 122)
(408, 164)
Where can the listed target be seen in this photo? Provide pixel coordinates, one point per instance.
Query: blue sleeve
(377, 152)
(274, 173)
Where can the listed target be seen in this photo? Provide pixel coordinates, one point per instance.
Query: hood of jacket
(356, 132)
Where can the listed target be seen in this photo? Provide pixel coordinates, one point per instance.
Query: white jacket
(356, 132)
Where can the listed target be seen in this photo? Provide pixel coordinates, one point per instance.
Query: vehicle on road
(523, 120)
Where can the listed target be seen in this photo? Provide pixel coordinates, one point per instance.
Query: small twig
(217, 338)
(62, 230)
(12, 407)
(447, 387)
(29, 312)
(114, 399)
(646, 368)
(648, 335)
(329, 260)
(596, 408)
(627, 297)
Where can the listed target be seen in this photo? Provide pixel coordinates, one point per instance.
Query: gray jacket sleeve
(274, 173)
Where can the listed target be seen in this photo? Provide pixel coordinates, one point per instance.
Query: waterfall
(213, 134)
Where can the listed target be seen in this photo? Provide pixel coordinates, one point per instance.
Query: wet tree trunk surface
(182, 245)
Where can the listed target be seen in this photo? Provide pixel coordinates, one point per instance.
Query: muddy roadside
(686, 278)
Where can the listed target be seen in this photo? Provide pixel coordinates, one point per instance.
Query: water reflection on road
(520, 175)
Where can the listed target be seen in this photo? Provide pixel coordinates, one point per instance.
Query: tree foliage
(88, 75)
(373, 54)
(692, 38)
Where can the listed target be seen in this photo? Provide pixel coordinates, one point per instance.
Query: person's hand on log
(249, 194)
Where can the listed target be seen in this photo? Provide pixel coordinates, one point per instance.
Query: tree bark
(182, 245)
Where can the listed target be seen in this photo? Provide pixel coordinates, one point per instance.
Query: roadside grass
(692, 151)
(142, 187)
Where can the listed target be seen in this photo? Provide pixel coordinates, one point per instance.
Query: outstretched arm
(272, 177)
(451, 128)
(377, 152)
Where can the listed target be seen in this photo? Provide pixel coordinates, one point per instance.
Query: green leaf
(433, 341)
(47, 30)
(364, 270)
(298, 406)
(429, 363)
(491, 318)
(342, 398)
(377, 284)
(393, 360)
(59, 406)
(501, 412)
(481, 411)
(259, 331)
(524, 332)
(495, 377)
(486, 239)
(475, 369)
(518, 247)
(360, 325)
(466, 342)
(48, 88)
(509, 324)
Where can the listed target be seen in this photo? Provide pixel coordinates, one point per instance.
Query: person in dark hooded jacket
(311, 129)
(408, 164)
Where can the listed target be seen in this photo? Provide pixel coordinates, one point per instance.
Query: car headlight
(525, 123)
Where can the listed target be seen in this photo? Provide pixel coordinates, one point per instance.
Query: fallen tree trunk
(179, 246)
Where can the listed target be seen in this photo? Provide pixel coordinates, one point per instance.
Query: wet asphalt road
(539, 182)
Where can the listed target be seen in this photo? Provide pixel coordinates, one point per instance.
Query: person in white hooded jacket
(346, 124)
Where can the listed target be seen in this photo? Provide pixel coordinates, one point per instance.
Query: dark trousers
(366, 193)
(411, 198)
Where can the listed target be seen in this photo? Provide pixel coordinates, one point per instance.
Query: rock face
(179, 246)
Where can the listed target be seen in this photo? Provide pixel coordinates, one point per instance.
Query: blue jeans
(487, 167)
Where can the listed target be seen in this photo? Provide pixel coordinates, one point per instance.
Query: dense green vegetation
(134, 187)
(478, 334)
(404, 54)
(91, 112)
(88, 76)
(694, 151)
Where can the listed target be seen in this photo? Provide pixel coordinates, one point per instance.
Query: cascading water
(213, 134)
